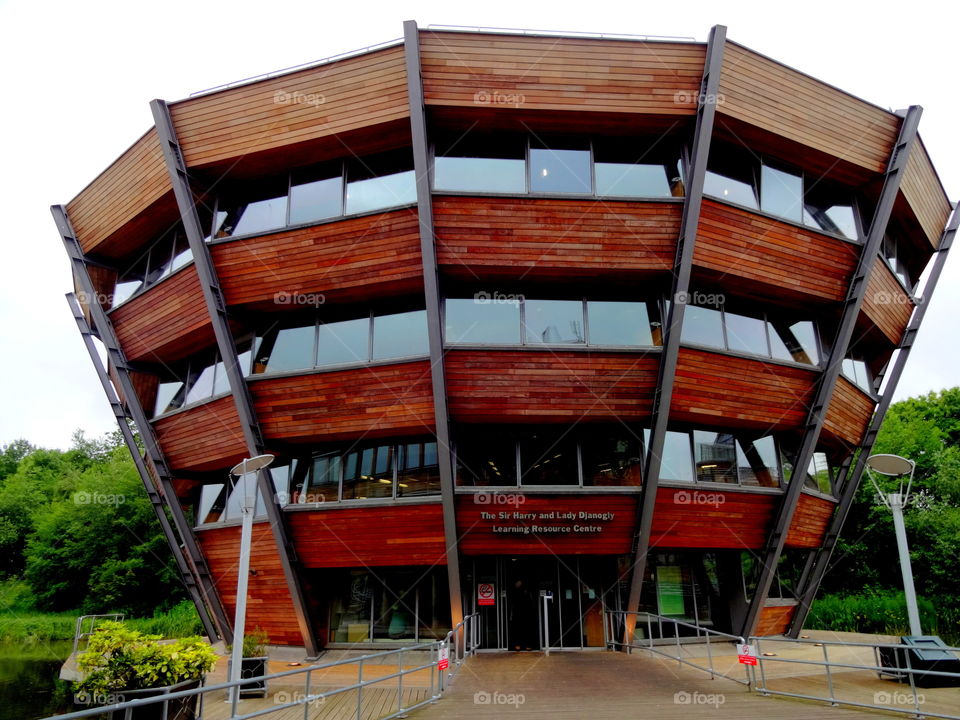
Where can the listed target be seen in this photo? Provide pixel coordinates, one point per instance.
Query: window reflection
(481, 164)
(164, 256)
(781, 193)
(380, 182)
(486, 457)
(715, 456)
(702, 326)
(553, 321)
(343, 342)
(368, 473)
(419, 471)
(400, 335)
(317, 195)
(472, 320)
(548, 458)
(612, 458)
(624, 323)
(561, 167)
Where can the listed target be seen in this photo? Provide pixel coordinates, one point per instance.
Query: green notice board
(670, 590)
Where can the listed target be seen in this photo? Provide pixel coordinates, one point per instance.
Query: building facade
(519, 315)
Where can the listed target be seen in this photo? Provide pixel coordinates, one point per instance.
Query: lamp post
(246, 474)
(896, 466)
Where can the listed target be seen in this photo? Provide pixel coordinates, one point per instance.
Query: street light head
(892, 465)
(251, 465)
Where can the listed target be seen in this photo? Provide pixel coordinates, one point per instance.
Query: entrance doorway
(535, 602)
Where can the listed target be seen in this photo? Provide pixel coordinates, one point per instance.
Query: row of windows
(895, 251)
(171, 252)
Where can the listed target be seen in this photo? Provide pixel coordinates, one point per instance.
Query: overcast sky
(77, 78)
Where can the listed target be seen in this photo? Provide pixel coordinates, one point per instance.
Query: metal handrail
(469, 629)
(78, 633)
(913, 709)
(612, 640)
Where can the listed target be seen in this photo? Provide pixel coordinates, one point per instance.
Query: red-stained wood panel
(774, 620)
(268, 598)
(546, 524)
(540, 237)
(723, 389)
(699, 517)
(530, 386)
(849, 412)
(369, 402)
(308, 105)
(205, 437)
(369, 536)
(743, 246)
(922, 189)
(555, 73)
(372, 256)
(885, 303)
(809, 524)
(166, 322)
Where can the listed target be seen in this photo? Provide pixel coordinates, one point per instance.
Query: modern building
(601, 318)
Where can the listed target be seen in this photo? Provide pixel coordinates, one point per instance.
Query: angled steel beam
(683, 268)
(821, 556)
(104, 328)
(217, 309)
(187, 575)
(431, 291)
(838, 351)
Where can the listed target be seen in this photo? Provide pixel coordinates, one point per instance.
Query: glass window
(170, 396)
(267, 210)
(746, 334)
(548, 459)
(732, 182)
(400, 335)
(702, 326)
(181, 252)
(380, 182)
(553, 321)
(623, 323)
(282, 477)
(485, 457)
(344, 342)
(495, 164)
(482, 320)
(395, 606)
(716, 456)
(419, 472)
(830, 208)
(221, 383)
(212, 501)
(611, 459)
(794, 341)
(317, 196)
(286, 349)
(757, 462)
(368, 473)
(199, 382)
(636, 169)
(564, 167)
(676, 461)
(131, 280)
(351, 607)
(819, 473)
(324, 485)
(781, 193)
(857, 372)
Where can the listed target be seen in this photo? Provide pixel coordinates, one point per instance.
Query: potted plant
(254, 663)
(121, 664)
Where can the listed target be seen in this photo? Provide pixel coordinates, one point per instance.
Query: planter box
(251, 667)
(177, 709)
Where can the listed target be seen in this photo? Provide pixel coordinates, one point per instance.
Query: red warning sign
(443, 659)
(747, 654)
(486, 594)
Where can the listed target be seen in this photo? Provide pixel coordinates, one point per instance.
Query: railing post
(306, 696)
(763, 673)
(359, 686)
(710, 657)
(400, 681)
(913, 681)
(676, 636)
(826, 664)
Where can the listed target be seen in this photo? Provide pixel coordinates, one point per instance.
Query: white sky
(77, 78)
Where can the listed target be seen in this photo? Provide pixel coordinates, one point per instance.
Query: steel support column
(820, 559)
(431, 290)
(218, 623)
(838, 351)
(217, 309)
(663, 393)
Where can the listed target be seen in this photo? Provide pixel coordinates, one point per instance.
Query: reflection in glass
(381, 192)
(419, 471)
(324, 485)
(796, 341)
(400, 335)
(548, 459)
(554, 170)
(344, 342)
(730, 189)
(368, 473)
(676, 462)
(553, 321)
(170, 396)
(212, 501)
(837, 219)
(252, 217)
(621, 323)
(757, 462)
(469, 320)
(199, 383)
(856, 371)
(746, 334)
(611, 459)
(702, 326)
(632, 180)
(485, 457)
(316, 200)
(286, 349)
(781, 193)
(480, 174)
(716, 456)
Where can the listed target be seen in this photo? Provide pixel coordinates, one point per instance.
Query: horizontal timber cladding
(743, 245)
(922, 189)
(740, 392)
(371, 401)
(369, 536)
(775, 620)
(886, 304)
(135, 181)
(318, 102)
(783, 101)
(367, 256)
(508, 237)
(545, 524)
(554, 73)
(809, 524)
(849, 412)
(554, 385)
(205, 437)
(166, 322)
(268, 599)
(701, 517)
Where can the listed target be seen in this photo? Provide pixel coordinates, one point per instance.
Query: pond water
(30, 687)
